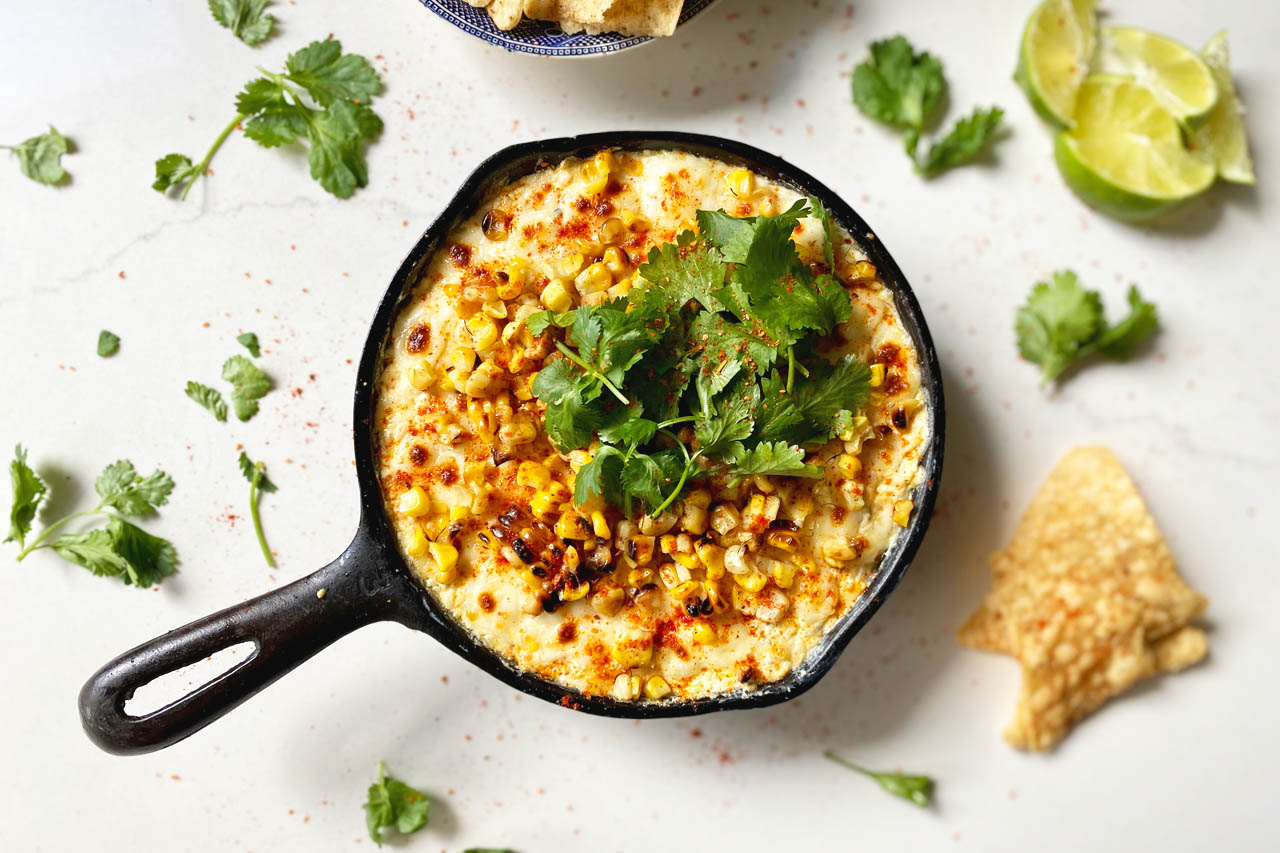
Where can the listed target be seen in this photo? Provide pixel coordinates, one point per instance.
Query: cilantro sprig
(708, 367)
(248, 20)
(322, 97)
(1062, 324)
(392, 803)
(913, 787)
(259, 482)
(119, 548)
(40, 157)
(903, 89)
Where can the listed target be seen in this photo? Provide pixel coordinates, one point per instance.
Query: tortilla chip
(506, 13)
(568, 12)
(1086, 596)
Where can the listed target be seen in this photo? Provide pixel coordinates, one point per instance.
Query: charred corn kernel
(599, 525)
(715, 595)
(459, 512)
(783, 540)
(621, 289)
(484, 332)
(848, 465)
(864, 270)
(902, 512)
(836, 552)
(611, 231)
(639, 577)
(446, 559)
(533, 475)
(752, 581)
(594, 279)
(753, 511)
(688, 561)
(544, 506)
(574, 593)
(640, 549)
(705, 634)
(571, 558)
(725, 518)
(637, 223)
(463, 360)
(570, 265)
(657, 688)
(420, 377)
(509, 289)
(877, 375)
(684, 589)
(521, 430)
(667, 574)
(615, 260)
(608, 601)
(712, 557)
(741, 182)
(783, 574)
(693, 517)
(567, 525)
(667, 543)
(417, 546)
(497, 309)
(556, 297)
(414, 503)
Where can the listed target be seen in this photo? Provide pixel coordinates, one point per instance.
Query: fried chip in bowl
(1086, 596)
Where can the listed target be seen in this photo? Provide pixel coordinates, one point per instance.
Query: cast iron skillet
(370, 581)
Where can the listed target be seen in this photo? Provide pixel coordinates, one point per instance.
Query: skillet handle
(287, 626)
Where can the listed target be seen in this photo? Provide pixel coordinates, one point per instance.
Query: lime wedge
(1057, 46)
(1125, 155)
(1175, 74)
(1222, 136)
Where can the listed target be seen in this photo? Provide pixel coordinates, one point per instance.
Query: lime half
(1175, 74)
(1125, 155)
(1057, 46)
(1222, 136)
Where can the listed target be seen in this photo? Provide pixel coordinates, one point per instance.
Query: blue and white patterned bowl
(543, 38)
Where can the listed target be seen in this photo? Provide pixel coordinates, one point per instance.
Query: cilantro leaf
(245, 18)
(911, 787)
(250, 342)
(249, 384)
(963, 143)
(819, 212)
(276, 118)
(94, 550)
(633, 430)
(337, 138)
(392, 803)
(601, 477)
(330, 77)
(731, 422)
(122, 550)
(1062, 323)
(775, 458)
(725, 348)
(28, 491)
(677, 274)
(175, 170)
(542, 320)
(898, 86)
(40, 157)
(123, 489)
(651, 476)
(252, 472)
(809, 414)
(208, 397)
(572, 413)
(108, 343)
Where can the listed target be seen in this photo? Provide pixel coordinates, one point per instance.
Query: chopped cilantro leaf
(108, 343)
(965, 141)
(250, 342)
(208, 397)
(28, 491)
(248, 383)
(40, 157)
(809, 414)
(776, 458)
(392, 803)
(247, 19)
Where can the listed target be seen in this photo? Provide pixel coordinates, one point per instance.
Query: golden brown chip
(1086, 596)
(506, 13)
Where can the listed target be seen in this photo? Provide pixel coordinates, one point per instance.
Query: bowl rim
(521, 159)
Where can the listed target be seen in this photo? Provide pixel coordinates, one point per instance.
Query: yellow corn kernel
(519, 430)
(848, 465)
(463, 359)
(599, 525)
(573, 593)
(459, 512)
(414, 503)
(657, 688)
(559, 492)
(752, 581)
(616, 260)
(567, 525)
(741, 182)
(533, 475)
(524, 387)
(570, 265)
(705, 634)
(594, 279)
(864, 270)
(667, 543)
(855, 428)
(635, 651)
(783, 574)
(689, 561)
(712, 557)
(767, 206)
(719, 604)
(611, 231)
(637, 223)
(518, 270)
(622, 288)
(626, 687)
(484, 332)
(596, 172)
(836, 552)
(684, 589)
(608, 601)
(902, 512)
(417, 546)
(639, 577)
(544, 506)
(421, 376)
(877, 375)
(571, 558)
(452, 289)
(667, 574)
(473, 473)
(509, 289)
(446, 558)
(783, 540)
(435, 524)
(497, 309)
(556, 297)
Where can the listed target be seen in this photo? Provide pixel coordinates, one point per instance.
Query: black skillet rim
(520, 159)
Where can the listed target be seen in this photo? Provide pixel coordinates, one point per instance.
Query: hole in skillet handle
(285, 627)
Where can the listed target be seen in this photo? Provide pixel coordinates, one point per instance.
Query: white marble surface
(1185, 763)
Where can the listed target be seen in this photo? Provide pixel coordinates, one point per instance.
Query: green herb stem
(257, 519)
(217, 143)
(591, 371)
(35, 543)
